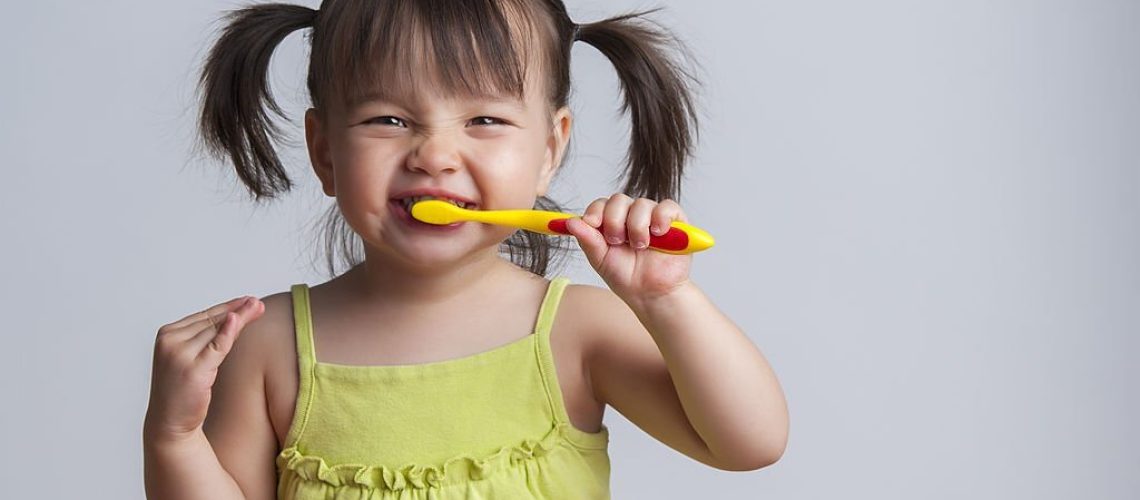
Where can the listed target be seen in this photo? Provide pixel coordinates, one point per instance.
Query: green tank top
(488, 425)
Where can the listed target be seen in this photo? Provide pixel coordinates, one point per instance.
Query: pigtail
(234, 85)
(657, 97)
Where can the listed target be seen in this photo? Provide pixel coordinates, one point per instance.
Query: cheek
(518, 155)
(509, 174)
(363, 176)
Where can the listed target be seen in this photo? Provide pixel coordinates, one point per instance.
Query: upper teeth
(409, 201)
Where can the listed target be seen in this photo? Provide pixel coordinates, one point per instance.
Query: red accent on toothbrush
(675, 239)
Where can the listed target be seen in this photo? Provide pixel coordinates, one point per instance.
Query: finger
(216, 311)
(637, 222)
(189, 331)
(666, 212)
(217, 347)
(613, 218)
(211, 317)
(591, 240)
(206, 329)
(593, 213)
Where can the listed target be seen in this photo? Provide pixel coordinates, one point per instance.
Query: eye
(487, 120)
(387, 120)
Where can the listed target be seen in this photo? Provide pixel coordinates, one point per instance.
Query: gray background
(937, 248)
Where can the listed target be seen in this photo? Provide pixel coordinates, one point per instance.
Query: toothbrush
(681, 238)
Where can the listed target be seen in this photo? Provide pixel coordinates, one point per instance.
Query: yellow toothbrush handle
(681, 238)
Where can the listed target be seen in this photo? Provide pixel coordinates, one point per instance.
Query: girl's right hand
(187, 354)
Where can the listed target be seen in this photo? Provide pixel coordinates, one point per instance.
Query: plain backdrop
(927, 217)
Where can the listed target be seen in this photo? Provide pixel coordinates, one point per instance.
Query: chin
(426, 253)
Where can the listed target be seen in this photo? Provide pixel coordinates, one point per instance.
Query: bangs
(464, 48)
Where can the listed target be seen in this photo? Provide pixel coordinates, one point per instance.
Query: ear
(318, 143)
(555, 147)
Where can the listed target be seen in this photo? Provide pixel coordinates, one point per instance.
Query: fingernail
(640, 245)
(615, 240)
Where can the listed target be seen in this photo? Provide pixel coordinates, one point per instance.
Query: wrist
(158, 437)
(666, 303)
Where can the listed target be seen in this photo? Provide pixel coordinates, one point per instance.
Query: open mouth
(403, 207)
(408, 202)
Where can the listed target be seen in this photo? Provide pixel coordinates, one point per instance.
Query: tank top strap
(549, 307)
(546, 313)
(306, 360)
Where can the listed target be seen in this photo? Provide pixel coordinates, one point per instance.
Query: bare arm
(180, 462)
(683, 372)
(662, 354)
(185, 468)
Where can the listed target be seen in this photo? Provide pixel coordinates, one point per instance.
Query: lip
(436, 192)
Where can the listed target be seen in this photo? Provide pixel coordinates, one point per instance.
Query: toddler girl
(433, 367)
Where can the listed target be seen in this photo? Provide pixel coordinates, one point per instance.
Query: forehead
(420, 49)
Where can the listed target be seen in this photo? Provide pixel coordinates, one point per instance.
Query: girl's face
(497, 152)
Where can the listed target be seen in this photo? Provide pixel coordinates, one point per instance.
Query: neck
(381, 279)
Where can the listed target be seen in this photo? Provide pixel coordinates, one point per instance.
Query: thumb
(591, 240)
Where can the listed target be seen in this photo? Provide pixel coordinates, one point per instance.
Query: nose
(435, 153)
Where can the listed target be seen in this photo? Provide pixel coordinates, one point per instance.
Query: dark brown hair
(471, 47)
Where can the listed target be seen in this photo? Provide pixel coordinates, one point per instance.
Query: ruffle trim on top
(457, 469)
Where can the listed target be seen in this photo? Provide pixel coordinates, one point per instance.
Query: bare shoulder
(265, 356)
(627, 371)
(592, 296)
(274, 329)
(273, 337)
(593, 313)
(578, 313)
(568, 341)
(598, 315)
(263, 340)
(238, 422)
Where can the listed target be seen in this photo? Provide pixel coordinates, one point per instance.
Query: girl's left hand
(621, 255)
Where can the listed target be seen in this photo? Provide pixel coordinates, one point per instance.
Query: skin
(651, 345)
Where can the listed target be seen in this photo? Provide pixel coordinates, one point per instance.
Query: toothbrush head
(437, 212)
